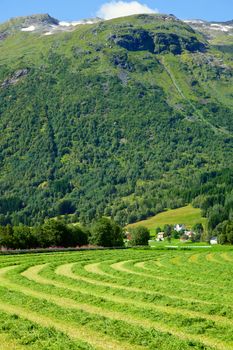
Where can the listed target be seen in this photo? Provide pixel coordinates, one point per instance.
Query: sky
(71, 10)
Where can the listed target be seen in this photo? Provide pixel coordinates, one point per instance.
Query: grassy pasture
(185, 215)
(123, 300)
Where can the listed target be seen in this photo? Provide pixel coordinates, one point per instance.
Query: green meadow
(188, 216)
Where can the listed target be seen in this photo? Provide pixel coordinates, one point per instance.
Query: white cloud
(115, 9)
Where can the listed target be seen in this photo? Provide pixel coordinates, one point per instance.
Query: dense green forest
(122, 118)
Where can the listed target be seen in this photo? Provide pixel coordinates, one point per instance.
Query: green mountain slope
(123, 118)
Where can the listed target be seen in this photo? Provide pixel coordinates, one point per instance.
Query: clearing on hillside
(188, 216)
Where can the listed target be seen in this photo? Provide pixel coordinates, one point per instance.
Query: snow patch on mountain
(211, 30)
(221, 27)
(70, 24)
(28, 29)
(76, 23)
(66, 24)
(194, 21)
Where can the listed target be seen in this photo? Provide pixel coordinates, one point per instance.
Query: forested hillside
(121, 118)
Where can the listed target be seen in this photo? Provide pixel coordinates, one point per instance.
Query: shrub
(107, 233)
(140, 236)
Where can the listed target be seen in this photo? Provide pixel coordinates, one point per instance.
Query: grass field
(185, 215)
(121, 300)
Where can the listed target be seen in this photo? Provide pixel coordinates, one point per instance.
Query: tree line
(56, 233)
(216, 205)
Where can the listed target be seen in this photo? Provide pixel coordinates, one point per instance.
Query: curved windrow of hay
(121, 300)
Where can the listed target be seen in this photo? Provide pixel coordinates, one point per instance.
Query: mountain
(40, 24)
(123, 117)
(219, 34)
(213, 30)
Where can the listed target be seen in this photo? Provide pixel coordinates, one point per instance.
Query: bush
(53, 233)
(224, 231)
(229, 232)
(107, 233)
(222, 238)
(78, 236)
(140, 236)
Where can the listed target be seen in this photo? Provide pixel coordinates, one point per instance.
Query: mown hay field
(118, 299)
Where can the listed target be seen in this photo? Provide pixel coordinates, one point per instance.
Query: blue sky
(77, 9)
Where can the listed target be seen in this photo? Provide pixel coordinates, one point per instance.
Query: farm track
(71, 281)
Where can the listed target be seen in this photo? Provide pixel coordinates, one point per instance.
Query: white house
(214, 240)
(179, 227)
(189, 234)
(160, 237)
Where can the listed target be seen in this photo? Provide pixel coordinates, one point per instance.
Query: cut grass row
(67, 303)
(117, 299)
(121, 296)
(87, 282)
(18, 333)
(101, 333)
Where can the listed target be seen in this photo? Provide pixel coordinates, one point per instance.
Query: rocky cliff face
(141, 40)
(135, 40)
(15, 78)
